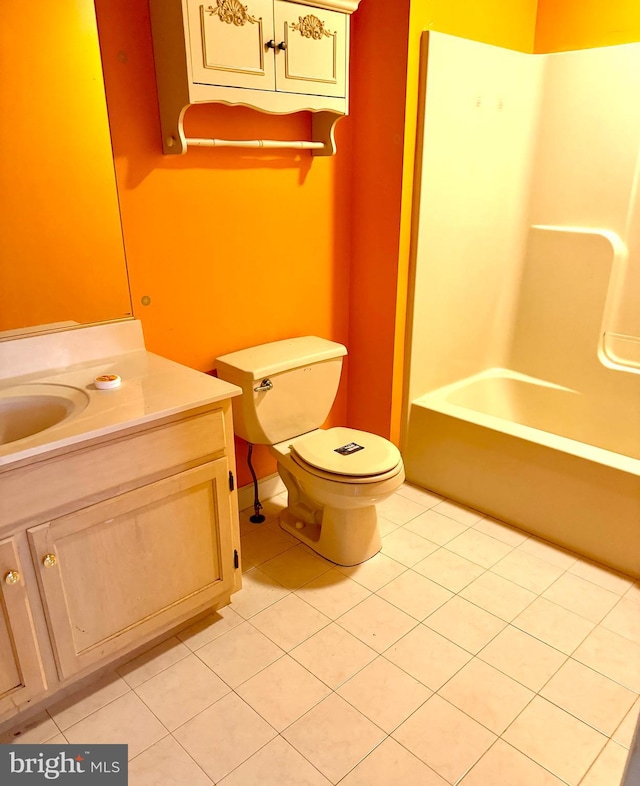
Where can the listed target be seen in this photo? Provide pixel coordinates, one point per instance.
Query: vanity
(119, 522)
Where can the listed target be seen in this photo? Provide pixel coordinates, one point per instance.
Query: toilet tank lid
(277, 356)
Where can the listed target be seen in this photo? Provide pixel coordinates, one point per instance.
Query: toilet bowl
(334, 513)
(334, 477)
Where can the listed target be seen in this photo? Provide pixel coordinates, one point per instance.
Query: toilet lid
(345, 451)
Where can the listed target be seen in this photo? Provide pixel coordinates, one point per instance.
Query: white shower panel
(480, 117)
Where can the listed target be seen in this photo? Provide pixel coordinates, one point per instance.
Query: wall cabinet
(127, 538)
(273, 55)
(276, 46)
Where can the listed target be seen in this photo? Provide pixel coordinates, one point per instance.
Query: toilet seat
(346, 455)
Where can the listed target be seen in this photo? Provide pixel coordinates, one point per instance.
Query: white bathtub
(545, 458)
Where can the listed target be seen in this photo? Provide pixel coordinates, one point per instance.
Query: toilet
(334, 477)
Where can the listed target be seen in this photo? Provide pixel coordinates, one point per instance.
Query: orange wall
(232, 248)
(511, 24)
(378, 75)
(580, 24)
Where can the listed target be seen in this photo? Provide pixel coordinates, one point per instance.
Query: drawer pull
(49, 560)
(12, 577)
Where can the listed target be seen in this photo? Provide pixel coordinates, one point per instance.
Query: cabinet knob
(12, 577)
(271, 44)
(282, 46)
(49, 560)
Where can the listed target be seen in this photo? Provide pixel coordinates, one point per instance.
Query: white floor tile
(239, 654)
(334, 737)
(296, 567)
(375, 572)
(154, 661)
(166, 764)
(390, 764)
(444, 738)
(556, 740)
(79, 705)
(448, 569)
(182, 691)
(224, 736)
(258, 592)
(333, 593)
(399, 509)
(436, 527)
(428, 656)
(493, 633)
(465, 624)
(277, 764)
(458, 512)
(554, 625)
(415, 594)
(333, 655)
(423, 497)
(384, 693)
(126, 720)
(283, 692)
(377, 623)
(209, 628)
(289, 622)
(406, 547)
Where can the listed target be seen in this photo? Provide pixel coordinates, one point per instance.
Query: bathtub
(543, 457)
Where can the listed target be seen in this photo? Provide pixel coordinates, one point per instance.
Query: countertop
(152, 388)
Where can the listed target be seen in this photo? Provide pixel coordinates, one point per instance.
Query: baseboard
(267, 487)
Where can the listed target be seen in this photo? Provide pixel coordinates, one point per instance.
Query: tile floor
(464, 653)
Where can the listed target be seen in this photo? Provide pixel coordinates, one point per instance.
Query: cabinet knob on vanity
(49, 560)
(282, 46)
(12, 577)
(271, 44)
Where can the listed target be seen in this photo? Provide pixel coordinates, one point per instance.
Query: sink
(26, 410)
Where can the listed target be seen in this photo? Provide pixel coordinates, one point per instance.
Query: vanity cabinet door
(313, 59)
(115, 574)
(21, 673)
(228, 43)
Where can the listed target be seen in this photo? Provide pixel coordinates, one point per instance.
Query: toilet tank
(304, 374)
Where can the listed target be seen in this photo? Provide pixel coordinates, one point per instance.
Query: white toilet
(334, 477)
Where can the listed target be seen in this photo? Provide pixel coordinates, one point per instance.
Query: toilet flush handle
(266, 384)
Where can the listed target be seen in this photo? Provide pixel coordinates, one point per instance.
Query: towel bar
(256, 143)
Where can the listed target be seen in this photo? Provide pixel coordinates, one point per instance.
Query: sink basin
(26, 410)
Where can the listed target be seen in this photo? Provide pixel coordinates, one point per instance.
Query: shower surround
(523, 383)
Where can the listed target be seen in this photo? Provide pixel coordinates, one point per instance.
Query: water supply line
(257, 517)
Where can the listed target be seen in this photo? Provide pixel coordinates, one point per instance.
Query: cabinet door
(228, 43)
(314, 48)
(21, 674)
(117, 573)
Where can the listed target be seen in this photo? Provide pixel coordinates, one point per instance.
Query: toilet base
(346, 537)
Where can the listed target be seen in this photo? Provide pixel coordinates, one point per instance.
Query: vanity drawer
(86, 476)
